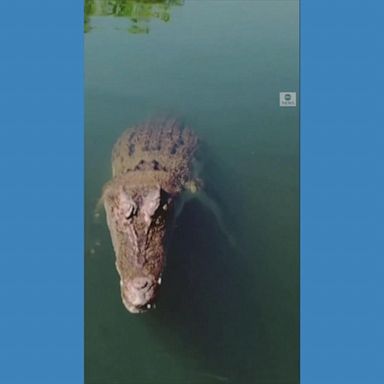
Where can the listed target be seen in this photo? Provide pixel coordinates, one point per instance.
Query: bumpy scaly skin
(151, 166)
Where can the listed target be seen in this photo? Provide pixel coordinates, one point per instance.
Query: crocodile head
(137, 221)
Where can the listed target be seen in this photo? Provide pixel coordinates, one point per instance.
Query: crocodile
(152, 165)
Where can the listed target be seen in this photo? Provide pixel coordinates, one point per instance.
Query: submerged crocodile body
(151, 167)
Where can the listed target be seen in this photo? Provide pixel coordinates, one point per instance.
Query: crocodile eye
(130, 211)
(151, 202)
(127, 206)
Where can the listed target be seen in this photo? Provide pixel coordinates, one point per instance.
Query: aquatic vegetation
(139, 12)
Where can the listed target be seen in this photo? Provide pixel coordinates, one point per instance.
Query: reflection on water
(139, 12)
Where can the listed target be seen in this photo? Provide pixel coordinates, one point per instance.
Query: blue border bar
(41, 168)
(342, 192)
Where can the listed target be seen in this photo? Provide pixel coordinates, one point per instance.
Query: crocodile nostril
(144, 285)
(141, 283)
(138, 293)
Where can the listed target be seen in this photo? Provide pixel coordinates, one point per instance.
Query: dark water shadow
(208, 301)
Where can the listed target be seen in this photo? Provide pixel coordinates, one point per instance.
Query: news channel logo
(287, 99)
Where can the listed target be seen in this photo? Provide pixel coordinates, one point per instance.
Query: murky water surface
(229, 305)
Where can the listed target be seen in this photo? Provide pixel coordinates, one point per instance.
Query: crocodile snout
(138, 293)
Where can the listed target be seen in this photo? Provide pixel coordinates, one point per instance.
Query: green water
(228, 310)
